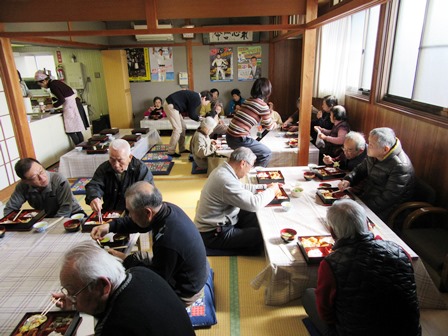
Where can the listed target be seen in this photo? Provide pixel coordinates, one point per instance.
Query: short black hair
(235, 91)
(211, 113)
(214, 90)
(157, 98)
(23, 166)
(207, 95)
(330, 100)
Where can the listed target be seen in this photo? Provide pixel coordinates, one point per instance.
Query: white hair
(90, 262)
(385, 136)
(120, 144)
(347, 219)
(357, 138)
(208, 123)
(243, 154)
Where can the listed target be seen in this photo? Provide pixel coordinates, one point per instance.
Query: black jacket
(388, 183)
(106, 185)
(143, 304)
(375, 288)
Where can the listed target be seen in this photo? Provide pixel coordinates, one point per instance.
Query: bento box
(132, 137)
(328, 173)
(140, 130)
(88, 144)
(99, 137)
(315, 248)
(270, 176)
(331, 194)
(93, 219)
(110, 131)
(22, 220)
(279, 198)
(57, 323)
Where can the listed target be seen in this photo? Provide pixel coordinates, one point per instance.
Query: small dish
(324, 185)
(288, 235)
(286, 206)
(72, 225)
(297, 192)
(40, 227)
(309, 175)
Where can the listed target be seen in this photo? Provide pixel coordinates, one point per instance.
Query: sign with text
(231, 37)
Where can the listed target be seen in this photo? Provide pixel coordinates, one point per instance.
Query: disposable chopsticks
(17, 216)
(49, 306)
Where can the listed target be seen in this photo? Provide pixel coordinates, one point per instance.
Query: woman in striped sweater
(253, 112)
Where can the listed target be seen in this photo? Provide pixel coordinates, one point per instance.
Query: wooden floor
(248, 315)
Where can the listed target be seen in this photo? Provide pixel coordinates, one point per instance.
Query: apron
(72, 119)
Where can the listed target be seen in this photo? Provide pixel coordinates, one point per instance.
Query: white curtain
(332, 54)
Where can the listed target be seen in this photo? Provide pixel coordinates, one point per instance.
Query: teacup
(286, 206)
(296, 191)
(40, 227)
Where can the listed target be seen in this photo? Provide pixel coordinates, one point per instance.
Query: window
(419, 56)
(363, 32)
(29, 64)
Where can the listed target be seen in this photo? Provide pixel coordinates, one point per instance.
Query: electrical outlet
(97, 75)
(88, 80)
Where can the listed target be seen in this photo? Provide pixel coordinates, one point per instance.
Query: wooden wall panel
(426, 144)
(286, 75)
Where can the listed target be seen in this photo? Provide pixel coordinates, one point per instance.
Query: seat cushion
(203, 312)
(430, 244)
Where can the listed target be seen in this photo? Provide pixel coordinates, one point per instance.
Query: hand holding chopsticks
(100, 217)
(52, 303)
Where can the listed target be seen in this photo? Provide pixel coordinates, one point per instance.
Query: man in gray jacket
(387, 171)
(225, 215)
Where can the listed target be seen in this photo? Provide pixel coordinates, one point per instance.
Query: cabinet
(117, 88)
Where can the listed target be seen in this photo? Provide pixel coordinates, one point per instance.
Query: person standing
(186, 101)
(66, 96)
(366, 286)
(254, 111)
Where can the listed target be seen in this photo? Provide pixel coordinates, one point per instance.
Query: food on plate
(315, 253)
(33, 322)
(323, 241)
(288, 234)
(275, 175)
(331, 170)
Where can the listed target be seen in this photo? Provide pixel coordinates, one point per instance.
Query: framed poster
(161, 62)
(221, 69)
(249, 63)
(231, 37)
(138, 64)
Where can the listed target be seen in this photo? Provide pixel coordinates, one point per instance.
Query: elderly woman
(66, 96)
(334, 138)
(201, 145)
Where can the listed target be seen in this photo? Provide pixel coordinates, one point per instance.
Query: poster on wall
(138, 64)
(249, 63)
(221, 69)
(162, 67)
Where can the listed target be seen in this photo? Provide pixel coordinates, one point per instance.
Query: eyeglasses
(351, 150)
(72, 298)
(250, 164)
(40, 173)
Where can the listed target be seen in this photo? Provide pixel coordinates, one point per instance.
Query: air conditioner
(154, 37)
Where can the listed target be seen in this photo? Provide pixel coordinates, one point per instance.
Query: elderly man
(111, 179)
(225, 215)
(387, 173)
(179, 253)
(43, 190)
(354, 152)
(136, 302)
(365, 286)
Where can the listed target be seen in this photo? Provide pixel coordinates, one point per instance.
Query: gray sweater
(224, 195)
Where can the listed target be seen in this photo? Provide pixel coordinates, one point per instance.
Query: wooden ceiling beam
(129, 32)
(131, 10)
(343, 10)
(60, 43)
(151, 14)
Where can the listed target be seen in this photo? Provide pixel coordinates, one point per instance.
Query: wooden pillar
(14, 99)
(190, 65)
(306, 84)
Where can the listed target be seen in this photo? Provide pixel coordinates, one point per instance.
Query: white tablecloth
(29, 272)
(164, 124)
(80, 164)
(287, 275)
(282, 154)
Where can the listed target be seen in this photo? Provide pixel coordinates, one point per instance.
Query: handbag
(214, 161)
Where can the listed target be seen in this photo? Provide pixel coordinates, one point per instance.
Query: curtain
(332, 55)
